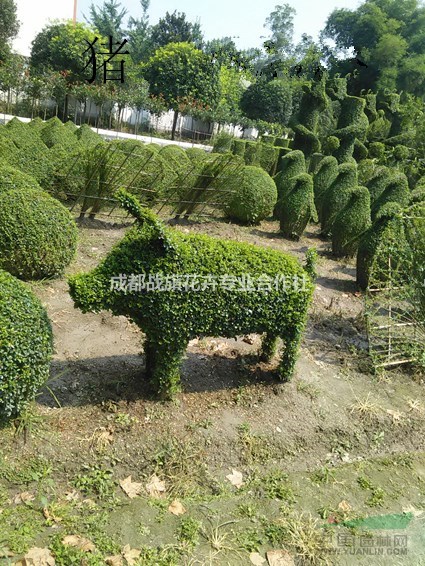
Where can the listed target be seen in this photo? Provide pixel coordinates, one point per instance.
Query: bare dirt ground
(336, 444)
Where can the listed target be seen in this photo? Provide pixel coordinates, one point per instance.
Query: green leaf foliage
(387, 227)
(297, 207)
(325, 175)
(338, 195)
(351, 223)
(223, 143)
(352, 124)
(170, 319)
(38, 236)
(238, 147)
(254, 196)
(252, 154)
(25, 346)
(397, 190)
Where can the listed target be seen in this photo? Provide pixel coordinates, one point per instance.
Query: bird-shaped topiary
(323, 178)
(351, 223)
(297, 207)
(338, 195)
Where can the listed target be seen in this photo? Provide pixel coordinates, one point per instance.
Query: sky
(241, 19)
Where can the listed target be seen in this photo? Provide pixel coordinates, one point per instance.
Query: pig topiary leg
(165, 374)
(292, 341)
(268, 347)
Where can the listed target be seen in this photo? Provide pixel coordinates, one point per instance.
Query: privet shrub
(379, 182)
(238, 147)
(401, 152)
(290, 165)
(387, 226)
(360, 151)
(8, 151)
(25, 346)
(223, 143)
(352, 124)
(377, 150)
(266, 138)
(54, 132)
(323, 178)
(366, 170)
(305, 125)
(38, 236)
(281, 142)
(351, 223)
(268, 158)
(254, 196)
(338, 195)
(209, 181)
(397, 190)
(87, 136)
(11, 178)
(252, 153)
(172, 318)
(330, 145)
(297, 207)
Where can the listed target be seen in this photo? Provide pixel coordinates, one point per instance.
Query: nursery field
(98, 471)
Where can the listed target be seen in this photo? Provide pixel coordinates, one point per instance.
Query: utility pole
(74, 18)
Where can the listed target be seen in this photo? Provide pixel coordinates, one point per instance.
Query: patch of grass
(366, 409)
(247, 511)
(181, 463)
(188, 533)
(323, 476)
(96, 481)
(125, 420)
(19, 526)
(250, 540)
(36, 469)
(28, 423)
(364, 482)
(161, 505)
(308, 389)
(204, 423)
(256, 448)
(302, 535)
(377, 497)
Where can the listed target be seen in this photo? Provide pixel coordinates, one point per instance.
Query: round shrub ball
(253, 196)
(25, 346)
(38, 236)
(11, 178)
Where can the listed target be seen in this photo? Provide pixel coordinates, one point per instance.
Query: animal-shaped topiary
(25, 346)
(238, 147)
(252, 153)
(291, 165)
(323, 178)
(397, 190)
(352, 124)
(171, 318)
(351, 223)
(338, 195)
(305, 125)
(387, 226)
(297, 207)
(378, 182)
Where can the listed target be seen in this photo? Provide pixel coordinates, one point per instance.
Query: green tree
(179, 72)
(386, 35)
(9, 26)
(281, 24)
(108, 19)
(174, 28)
(138, 34)
(269, 101)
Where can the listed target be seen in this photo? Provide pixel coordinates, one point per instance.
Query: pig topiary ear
(143, 216)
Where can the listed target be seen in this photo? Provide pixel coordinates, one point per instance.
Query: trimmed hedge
(366, 169)
(54, 133)
(252, 153)
(26, 346)
(387, 227)
(397, 190)
(238, 147)
(297, 207)
(11, 178)
(254, 196)
(377, 150)
(351, 223)
(38, 236)
(378, 183)
(266, 138)
(323, 178)
(338, 195)
(268, 158)
(313, 102)
(87, 136)
(223, 143)
(171, 319)
(352, 124)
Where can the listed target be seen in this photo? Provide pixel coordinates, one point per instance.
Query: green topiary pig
(338, 195)
(297, 207)
(323, 178)
(171, 318)
(352, 124)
